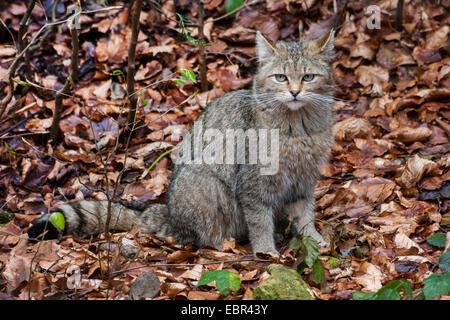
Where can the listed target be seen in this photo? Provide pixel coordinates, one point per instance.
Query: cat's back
(233, 110)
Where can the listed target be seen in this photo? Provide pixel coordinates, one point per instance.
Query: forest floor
(384, 193)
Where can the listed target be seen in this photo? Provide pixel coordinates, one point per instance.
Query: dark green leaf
(225, 280)
(388, 294)
(231, 5)
(295, 243)
(363, 296)
(207, 277)
(312, 251)
(436, 285)
(444, 262)
(437, 240)
(397, 286)
(318, 274)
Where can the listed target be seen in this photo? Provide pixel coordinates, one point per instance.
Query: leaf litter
(384, 193)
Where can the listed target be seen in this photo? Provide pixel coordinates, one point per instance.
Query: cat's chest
(302, 156)
(305, 147)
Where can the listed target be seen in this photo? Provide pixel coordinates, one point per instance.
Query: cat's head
(294, 74)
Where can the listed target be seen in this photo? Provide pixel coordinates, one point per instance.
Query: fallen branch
(192, 264)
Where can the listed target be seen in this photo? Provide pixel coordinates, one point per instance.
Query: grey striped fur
(208, 203)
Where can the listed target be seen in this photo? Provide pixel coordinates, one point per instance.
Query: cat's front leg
(260, 224)
(303, 216)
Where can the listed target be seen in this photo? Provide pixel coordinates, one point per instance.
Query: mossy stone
(283, 284)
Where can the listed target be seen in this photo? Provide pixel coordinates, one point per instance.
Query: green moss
(283, 284)
(5, 217)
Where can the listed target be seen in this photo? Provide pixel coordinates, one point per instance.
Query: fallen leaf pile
(385, 191)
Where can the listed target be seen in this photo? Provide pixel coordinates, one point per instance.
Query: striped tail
(88, 217)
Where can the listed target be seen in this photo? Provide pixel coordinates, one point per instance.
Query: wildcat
(206, 203)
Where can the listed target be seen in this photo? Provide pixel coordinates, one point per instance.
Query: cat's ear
(264, 47)
(324, 43)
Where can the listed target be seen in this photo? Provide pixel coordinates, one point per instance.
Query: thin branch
(201, 47)
(54, 130)
(245, 5)
(23, 25)
(132, 61)
(49, 31)
(399, 15)
(75, 50)
(192, 264)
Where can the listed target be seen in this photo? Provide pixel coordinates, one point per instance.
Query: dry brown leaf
(374, 76)
(203, 295)
(415, 168)
(371, 278)
(410, 134)
(351, 128)
(404, 242)
(180, 256)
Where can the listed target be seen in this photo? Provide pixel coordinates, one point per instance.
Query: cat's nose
(295, 92)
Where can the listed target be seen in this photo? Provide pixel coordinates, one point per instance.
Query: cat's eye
(280, 77)
(308, 77)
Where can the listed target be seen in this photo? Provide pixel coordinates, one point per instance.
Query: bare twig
(245, 5)
(193, 264)
(132, 61)
(49, 31)
(54, 130)
(399, 15)
(201, 47)
(75, 50)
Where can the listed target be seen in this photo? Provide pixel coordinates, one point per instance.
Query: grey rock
(145, 286)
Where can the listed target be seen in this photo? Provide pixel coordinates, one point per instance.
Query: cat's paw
(318, 237)
(272, 255)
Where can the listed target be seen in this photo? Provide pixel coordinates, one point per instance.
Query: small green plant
(393, 290)
(20, 83)
(10, 151)
(186, 32)
(307, 254)
(225, 280)
(117, 73)
(232, 5)
(186, 75)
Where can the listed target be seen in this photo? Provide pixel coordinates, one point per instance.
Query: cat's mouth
(295, 104)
